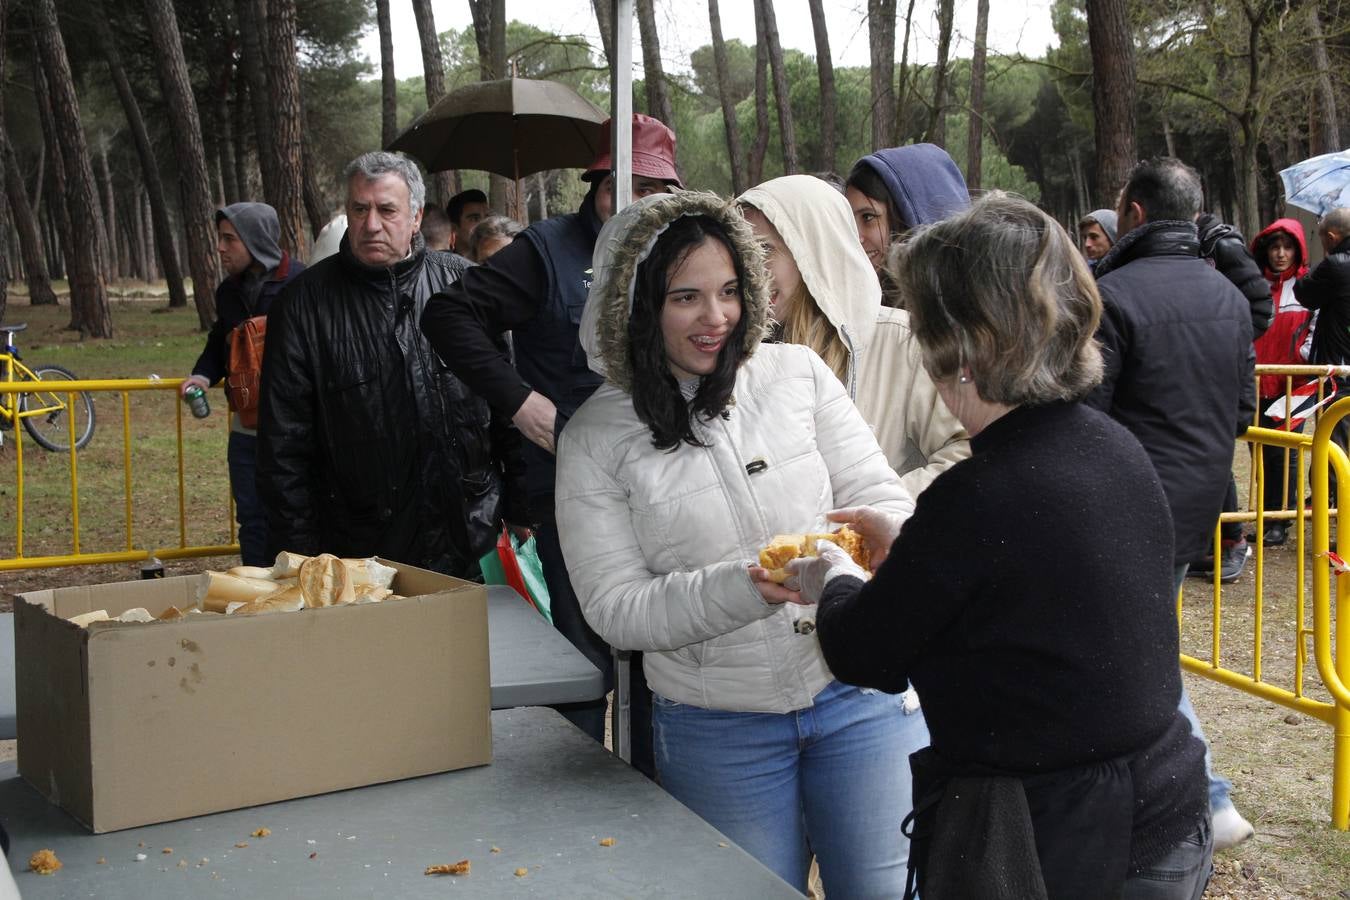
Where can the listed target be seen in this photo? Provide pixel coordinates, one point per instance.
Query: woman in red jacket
(1282, 253)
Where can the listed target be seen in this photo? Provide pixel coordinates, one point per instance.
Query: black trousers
(567, 618)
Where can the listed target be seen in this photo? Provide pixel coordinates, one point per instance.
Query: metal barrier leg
(621, 714)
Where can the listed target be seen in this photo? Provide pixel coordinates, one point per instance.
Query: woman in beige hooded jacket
(827, 297)
(701, 445)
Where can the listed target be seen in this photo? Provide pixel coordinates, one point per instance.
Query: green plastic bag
(517, 565)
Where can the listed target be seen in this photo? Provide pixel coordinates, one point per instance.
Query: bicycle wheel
(48, 423)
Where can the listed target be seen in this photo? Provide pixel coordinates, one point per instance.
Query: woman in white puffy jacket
(699, 448)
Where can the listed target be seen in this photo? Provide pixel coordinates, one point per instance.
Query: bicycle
(43, 412)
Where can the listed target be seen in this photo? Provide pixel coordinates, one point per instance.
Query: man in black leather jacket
(368, 445)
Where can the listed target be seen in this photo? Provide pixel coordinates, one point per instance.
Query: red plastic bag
(511, 566)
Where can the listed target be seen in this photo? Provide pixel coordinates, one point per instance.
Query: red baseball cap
(653, 151)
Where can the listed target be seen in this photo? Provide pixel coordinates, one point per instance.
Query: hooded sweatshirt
(887, 381)
(1106, 218)
(657, 542)
(1287, 340)
(241, 297)
(924, 183)
(258, 228)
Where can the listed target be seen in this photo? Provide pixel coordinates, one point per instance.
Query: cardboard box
(131, 724)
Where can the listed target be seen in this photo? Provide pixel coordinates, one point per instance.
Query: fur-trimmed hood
(625, 241)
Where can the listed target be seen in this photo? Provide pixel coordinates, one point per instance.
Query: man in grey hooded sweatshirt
(256, 269)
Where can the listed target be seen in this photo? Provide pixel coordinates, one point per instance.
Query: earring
(963, 378)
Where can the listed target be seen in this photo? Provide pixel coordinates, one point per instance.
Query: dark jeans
(567, 618)
(242, 456)
(1281, 476)
(1180, 874)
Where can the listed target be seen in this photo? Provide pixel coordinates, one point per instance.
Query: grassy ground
(1280, 762)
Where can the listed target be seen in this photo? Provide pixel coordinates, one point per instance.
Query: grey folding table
(532, 663)
(536, 822)
(8, 709)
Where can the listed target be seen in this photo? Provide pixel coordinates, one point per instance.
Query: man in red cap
(536, 288)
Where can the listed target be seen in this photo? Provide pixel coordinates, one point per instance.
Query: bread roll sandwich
(369, 571)
(326, 581)
(288, 564)
(786, 547)
(216, 590)
(288, 600)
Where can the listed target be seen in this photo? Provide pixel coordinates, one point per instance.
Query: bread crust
(786, 547)
(326, 581)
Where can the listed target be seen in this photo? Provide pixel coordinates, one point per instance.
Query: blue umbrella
(1319, 184)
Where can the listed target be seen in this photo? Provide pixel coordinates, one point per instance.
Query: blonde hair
(805, 324)
(1002, 288)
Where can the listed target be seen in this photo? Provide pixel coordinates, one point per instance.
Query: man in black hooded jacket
(1177, 351)
(256, 271)
(368, 445)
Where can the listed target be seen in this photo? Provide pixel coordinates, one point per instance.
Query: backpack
(242, 385)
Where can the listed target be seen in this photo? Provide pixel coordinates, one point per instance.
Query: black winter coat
(1223, 245)
(367, 443)
(1327, 289)
(1176, 342)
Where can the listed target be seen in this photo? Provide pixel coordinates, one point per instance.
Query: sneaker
(1230, 829)
(1233, 559)
(1276, 535)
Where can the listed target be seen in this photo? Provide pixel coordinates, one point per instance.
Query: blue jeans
(832, 779)
(1180, 874)
(242, 456)
(1220, 788)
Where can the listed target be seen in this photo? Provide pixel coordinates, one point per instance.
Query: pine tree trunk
(154, 186)
(782, 97)
(489, 33)
(735, 154)
(196, 195)
(388, 81)
(90, 313)
(109, 248)
(40, 291)
(829, 102)
(1112, 96)
(937, 120)
(604, 17)
(761, 142)
(283, 79)
(1326, 138)
(653, 73)
(253, 62)
(239, 133)
(975, 140)
(433, 75)
(315, 208)
(225, 134)
(903, 90)
(881, 46)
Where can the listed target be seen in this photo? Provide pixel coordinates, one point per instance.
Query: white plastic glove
(811, 574)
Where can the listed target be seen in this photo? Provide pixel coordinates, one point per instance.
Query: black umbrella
(513, 127)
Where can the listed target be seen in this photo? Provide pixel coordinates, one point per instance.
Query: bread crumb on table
(44, 862)
(607, 842)
(459, 868)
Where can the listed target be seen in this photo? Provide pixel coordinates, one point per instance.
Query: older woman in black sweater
(1044, 649)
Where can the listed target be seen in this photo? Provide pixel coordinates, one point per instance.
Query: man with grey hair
(1178, 362)
(368, 445)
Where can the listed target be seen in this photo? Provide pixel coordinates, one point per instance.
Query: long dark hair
(656, 393)
(865, 179)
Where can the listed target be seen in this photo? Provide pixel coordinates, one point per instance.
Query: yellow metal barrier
(130, 553)
(1330, 609)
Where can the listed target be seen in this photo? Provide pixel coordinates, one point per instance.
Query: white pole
(621, 153)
